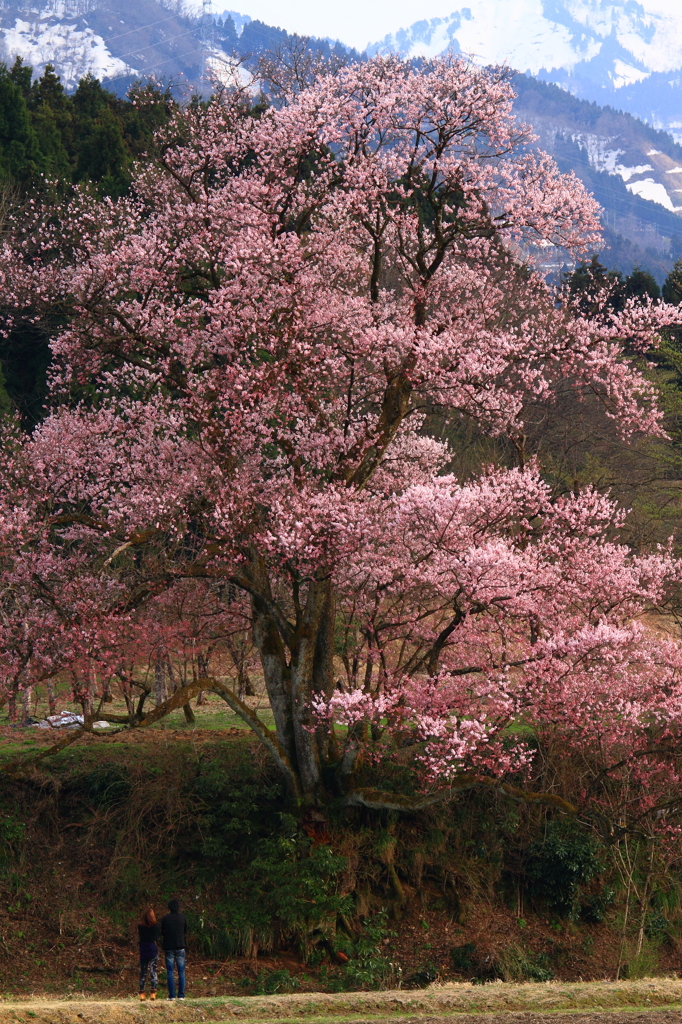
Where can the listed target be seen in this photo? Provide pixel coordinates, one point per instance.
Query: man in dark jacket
(173, 935)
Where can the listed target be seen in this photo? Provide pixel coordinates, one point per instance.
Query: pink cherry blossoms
(238, 438)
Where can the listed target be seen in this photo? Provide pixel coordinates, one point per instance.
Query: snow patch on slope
(493, 31)
(73, 50)
(633, 39)
(603, 157)
(626, 74)
(652, 190)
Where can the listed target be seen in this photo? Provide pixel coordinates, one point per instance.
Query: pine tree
(52, 119)
(672, 289)
(20, 157)
(641, 284)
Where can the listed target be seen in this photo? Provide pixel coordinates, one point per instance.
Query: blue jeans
(175, 957)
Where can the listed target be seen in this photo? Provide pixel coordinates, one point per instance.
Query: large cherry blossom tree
(254, 347)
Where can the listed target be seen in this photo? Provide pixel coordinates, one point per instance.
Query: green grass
(217, 720)
(212, 717)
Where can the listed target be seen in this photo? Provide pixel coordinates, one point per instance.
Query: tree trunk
(645, 901)
(323, 671)
(245, 688)
(273, 658)
(26, 695)
(160, 687)
(297, 662)
(203, 669)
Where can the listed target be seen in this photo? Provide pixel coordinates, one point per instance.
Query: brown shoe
(142, 997)
(153, 995)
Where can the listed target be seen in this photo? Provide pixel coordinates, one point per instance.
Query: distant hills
(115, 40)
(120, 41)
(633, 168)
(626, 53)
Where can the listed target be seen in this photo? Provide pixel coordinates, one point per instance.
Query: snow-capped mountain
(119, 41)
(633, 169)
(623, 52)
(115, 40)
(591, 48)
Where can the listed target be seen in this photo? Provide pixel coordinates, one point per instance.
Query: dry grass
(438, 1001)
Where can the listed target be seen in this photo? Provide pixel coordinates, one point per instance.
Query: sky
(354, 22)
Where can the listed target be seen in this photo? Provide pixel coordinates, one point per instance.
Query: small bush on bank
(560, 863)
(515, 963)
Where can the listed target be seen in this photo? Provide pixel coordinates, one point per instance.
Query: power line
(110, 39)
(142, 71)
(206, 33)
(140, 49)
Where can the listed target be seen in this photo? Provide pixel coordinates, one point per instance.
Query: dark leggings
(153, 966)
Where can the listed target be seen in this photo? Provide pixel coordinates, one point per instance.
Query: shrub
(559, 864)
(268, 984)
(514, 963)
(289, 892)
(593, 909)
(463, 957)
(367, 967)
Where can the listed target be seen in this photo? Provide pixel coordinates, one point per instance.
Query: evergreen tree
(22, 75)
(52, 120)
(641, 284)
(672, 289)
(103, 157)
(20, 157)
(588, 281)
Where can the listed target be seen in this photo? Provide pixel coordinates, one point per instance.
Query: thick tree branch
(376, 799)
(265, 735)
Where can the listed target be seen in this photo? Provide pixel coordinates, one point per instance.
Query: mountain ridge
(610, 51)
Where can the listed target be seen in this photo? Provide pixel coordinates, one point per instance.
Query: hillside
(115, 40)
(633, 170)
(613, 52)
(121, 41)
(104, 828)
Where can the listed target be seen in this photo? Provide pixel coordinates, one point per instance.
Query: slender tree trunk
(623, 939)
(51, 698)
(26, 695)
(160, 687)
(245, 688)
(645, 901)
(203, 669)
(175, 684)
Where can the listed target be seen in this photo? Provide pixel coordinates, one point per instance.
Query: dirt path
(98, 1013)
(650, 1001)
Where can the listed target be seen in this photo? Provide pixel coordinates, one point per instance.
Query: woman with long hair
(148, 931)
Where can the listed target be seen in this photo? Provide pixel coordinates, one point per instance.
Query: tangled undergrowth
(480, 890)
